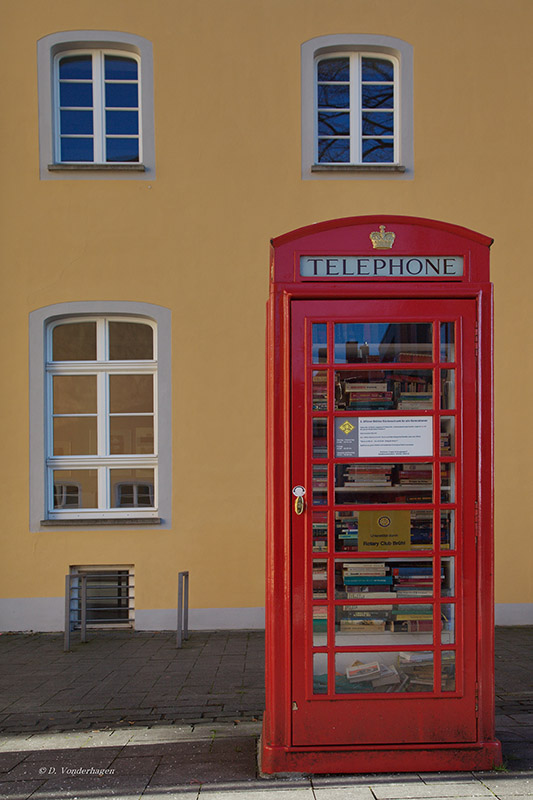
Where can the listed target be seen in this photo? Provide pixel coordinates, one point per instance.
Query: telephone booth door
(383, 555)
(379, 600)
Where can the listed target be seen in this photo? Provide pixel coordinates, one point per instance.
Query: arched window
(104, 437)
(357, 107)
(97, 107)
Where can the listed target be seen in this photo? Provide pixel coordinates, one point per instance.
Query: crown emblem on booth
(382, 239)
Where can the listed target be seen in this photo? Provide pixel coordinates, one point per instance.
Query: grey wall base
(47, 614)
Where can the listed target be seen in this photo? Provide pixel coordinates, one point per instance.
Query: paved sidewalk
(129, 716)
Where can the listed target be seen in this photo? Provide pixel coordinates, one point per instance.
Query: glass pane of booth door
(383, 555)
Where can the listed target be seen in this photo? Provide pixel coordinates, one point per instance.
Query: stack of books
(368, 396)
(320, 391)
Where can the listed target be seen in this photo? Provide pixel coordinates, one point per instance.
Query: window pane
(447, 341)
(122, 149)
(320, 580)
(320, 438)
(447, 530)
(131, 393)
(447, 621)
(333, 69)
(409, 530)
(379, 151)
(320, 531)
(132, 488)
(382, 389)
(76, 149)
(363, 673)
(121, 95)
(447, 389)
(334, 151)
(333, 123)
(320, 625)
(76, 95)
(392, 578)
(378, 123)
(377, 96)
(76, 68)
(75, 436)
(447, 436)
(333, 96)
(320, 343)
(74, 341)
(320, 673)
(383, 483)
(75, 488)
(131, 435)
(320, 484)
(377, 69)
(408, 624)
(130, 341)
(320, 390)
(448, 671)
(74, 394)
(76, 122)
(122, 122)
(120, 68)
(398, 342)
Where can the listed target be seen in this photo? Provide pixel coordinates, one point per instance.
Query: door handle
(299, 503)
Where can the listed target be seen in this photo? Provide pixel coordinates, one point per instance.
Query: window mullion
(355, 109)
(98, 106)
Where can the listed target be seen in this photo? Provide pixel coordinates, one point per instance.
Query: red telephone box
(379, 632)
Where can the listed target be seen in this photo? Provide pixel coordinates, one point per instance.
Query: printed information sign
(371, 437)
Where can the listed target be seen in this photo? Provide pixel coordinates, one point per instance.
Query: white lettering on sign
(381, 266)
(395, 436)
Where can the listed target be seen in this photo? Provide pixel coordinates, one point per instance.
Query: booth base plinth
(276, 760)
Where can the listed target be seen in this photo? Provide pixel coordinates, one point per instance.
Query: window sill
(96, 168)
(100, 521)
(357, 168)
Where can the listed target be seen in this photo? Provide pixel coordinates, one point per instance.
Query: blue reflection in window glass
(121, 95)
(333, 69)
(76, 149)
(122, 122)
(334, 96)
(377, 69)
(334, 123)
(118, 68)
(320, 343)
(76, 121)
(377, 96)
(122, 149)
(76, 68)
(77, 95)
(334, 150)
(378, 123)
(378, 150)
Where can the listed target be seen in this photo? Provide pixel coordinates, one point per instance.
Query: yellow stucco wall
(227, 125)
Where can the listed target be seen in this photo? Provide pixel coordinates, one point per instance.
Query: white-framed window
(357, 108)
(100, 415)
(96, 111)
(97, 107)
(101, 397)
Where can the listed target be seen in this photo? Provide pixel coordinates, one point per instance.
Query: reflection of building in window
(102, 376)
(110, 596)
(67, 495)
(133, 495)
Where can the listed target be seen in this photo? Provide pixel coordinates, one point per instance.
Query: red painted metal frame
(414, 236)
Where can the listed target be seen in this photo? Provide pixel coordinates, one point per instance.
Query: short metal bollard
(182, 631)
